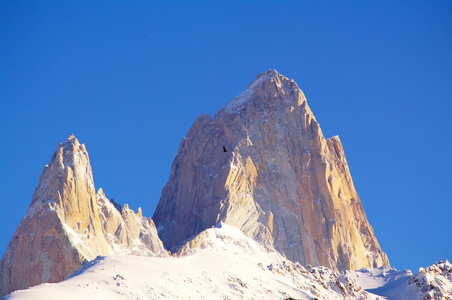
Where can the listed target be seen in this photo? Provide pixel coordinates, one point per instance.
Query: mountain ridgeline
(260, 164)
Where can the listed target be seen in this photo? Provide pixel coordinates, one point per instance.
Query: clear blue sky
(376, 73)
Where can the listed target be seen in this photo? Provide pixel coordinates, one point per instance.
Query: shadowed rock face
(281, 182)
(63, 228)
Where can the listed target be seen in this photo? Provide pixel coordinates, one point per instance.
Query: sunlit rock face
(280, 181)
(63, 227)
(128, 232)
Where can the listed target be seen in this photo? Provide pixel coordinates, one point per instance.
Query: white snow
(228, 266)
(383, 281)
(237, 103)
(222, 263)
(434, 282)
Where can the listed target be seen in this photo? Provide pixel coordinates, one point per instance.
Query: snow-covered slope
(222, 263)
(227, 238)
(384, 281)
(226, 265)
(433, 282)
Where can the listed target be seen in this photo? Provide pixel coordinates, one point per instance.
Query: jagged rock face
(433, 282)
(62, 228)
(280, 181)
(127, 232)
(46, 246)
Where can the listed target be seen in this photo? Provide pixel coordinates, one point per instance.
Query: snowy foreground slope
(222, 263)
(434, 282)
(228, 265)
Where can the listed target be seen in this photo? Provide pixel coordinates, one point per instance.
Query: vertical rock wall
(281, 182)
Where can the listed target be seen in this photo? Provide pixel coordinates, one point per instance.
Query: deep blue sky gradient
(376, 73)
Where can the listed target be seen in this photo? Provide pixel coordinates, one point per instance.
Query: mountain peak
(71, 138)
(268, 75)
(63, 227)
(269, 89)
(281, 183)
(265, 79)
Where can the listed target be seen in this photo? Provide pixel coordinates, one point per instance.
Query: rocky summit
(67, 224)
(262, 164)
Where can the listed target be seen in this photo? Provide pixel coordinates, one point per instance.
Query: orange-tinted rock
(63, 228)
(281, 182)
(127, 232)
